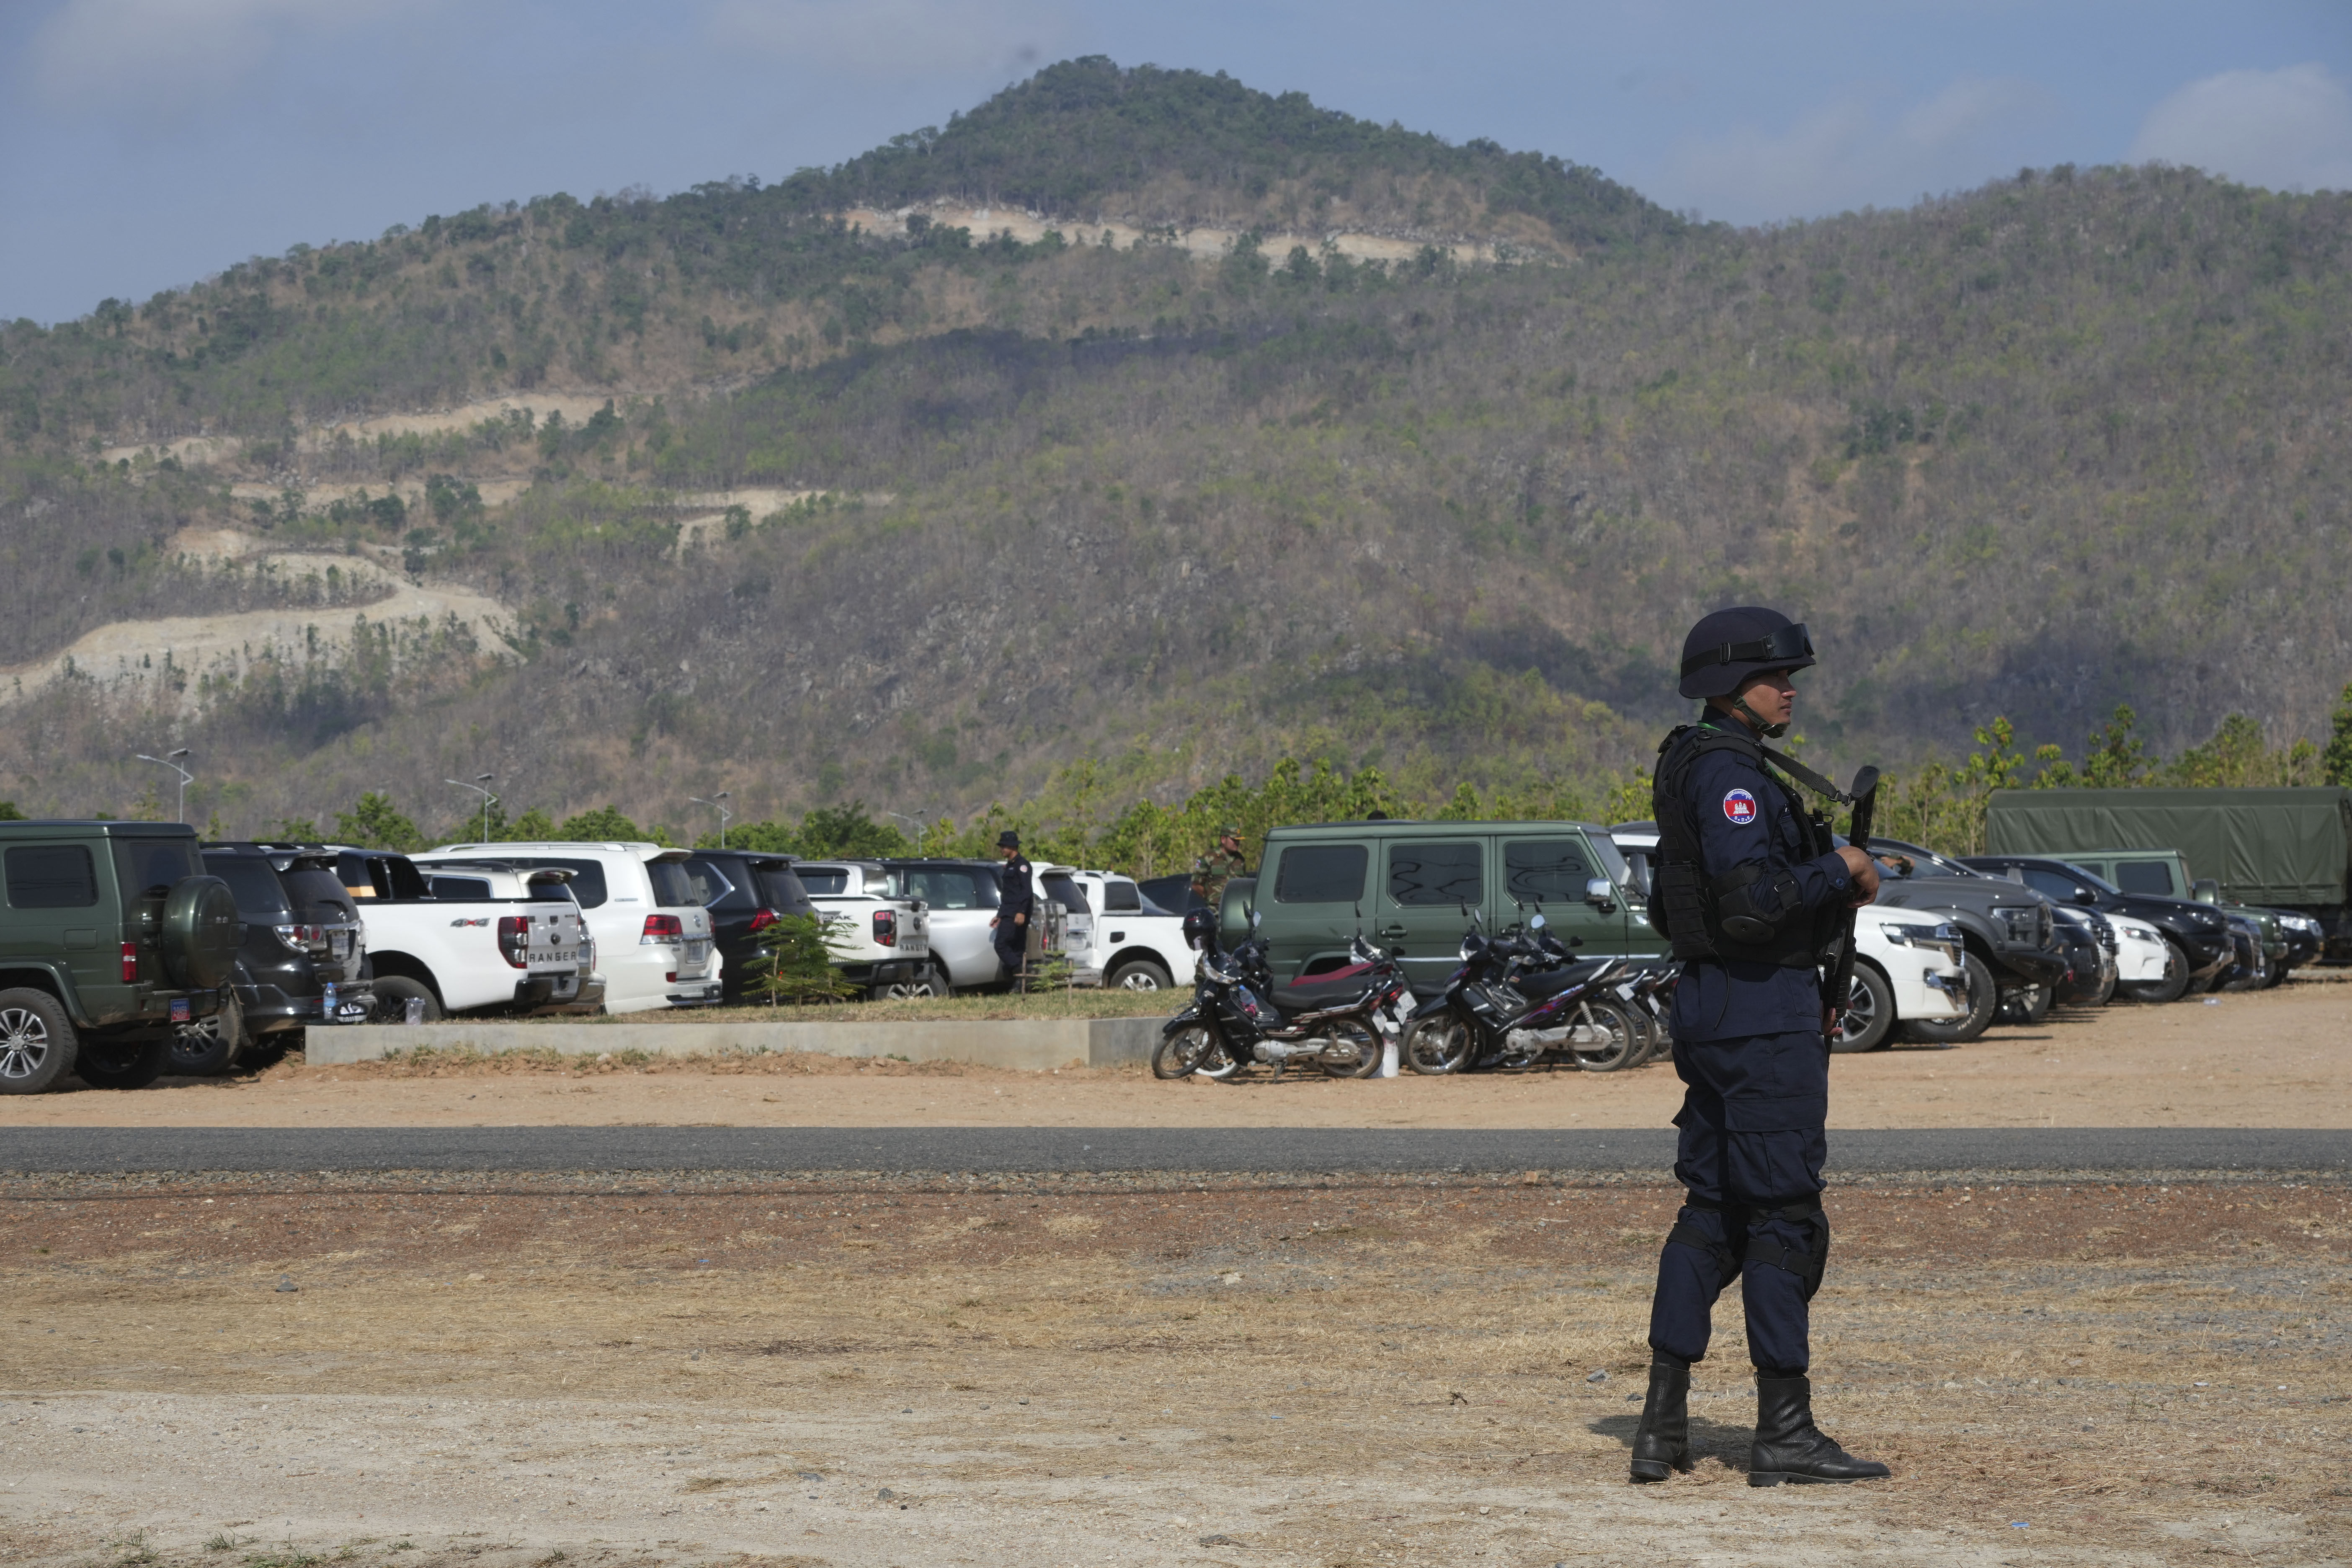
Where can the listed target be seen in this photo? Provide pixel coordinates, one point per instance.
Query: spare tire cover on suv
(201, 933)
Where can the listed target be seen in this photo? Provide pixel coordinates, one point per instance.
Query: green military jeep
(1414, 886)
(110, 934)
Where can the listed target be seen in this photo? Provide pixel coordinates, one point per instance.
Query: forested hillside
(774, 502)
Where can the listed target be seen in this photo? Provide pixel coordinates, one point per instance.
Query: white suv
(653, 938)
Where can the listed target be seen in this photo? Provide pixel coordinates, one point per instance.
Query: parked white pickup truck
(883, 940)
(653, 945)
(1134, 944)
(487, 944)
(959, 900)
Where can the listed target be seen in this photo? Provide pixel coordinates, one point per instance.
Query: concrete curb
(1036, 1045)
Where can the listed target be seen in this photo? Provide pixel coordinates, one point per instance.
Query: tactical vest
(1750, 915)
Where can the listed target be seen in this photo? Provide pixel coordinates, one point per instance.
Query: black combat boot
(1789, 1447)
(1663, 1440)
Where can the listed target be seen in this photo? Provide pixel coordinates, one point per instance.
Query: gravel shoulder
(2277, 1058)
(857, 1372)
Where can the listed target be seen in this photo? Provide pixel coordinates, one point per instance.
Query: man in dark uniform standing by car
(1016, 900)
(1751, 891)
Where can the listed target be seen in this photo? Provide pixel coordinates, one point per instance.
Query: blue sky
(144, 144)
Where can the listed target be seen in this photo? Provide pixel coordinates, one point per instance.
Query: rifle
(1857, 833)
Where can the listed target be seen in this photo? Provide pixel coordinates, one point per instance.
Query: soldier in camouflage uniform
(1212, 872)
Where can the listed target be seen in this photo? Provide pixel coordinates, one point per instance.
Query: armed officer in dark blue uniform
(1752, 894)
(1016, 900)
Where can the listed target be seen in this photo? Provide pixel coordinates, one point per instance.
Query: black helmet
(1728, 647)
(1200, 925)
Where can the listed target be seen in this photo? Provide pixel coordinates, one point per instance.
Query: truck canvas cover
(2264, 846)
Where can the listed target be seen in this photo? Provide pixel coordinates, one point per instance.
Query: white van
(653, 938)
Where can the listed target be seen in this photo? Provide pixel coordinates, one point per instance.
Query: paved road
(1063, 1149)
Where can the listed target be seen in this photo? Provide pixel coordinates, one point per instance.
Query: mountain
(1140, 416)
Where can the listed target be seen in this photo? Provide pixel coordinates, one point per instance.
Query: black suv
(746, 892)
(2199, 935)
(2016, 957)
(110, 937)
(301, 962)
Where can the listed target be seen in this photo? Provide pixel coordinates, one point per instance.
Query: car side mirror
(1600, 894)
(2084, 896)
(2205, 890)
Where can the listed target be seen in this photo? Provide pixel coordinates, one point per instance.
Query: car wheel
(389, 1001)
(105, 1064)
(1139, 974)
(1984, 995)
(932, 982)
(1869, 1015)
(37, 1041)
(205, 1047)
(2028, 1005)
(2169, 988)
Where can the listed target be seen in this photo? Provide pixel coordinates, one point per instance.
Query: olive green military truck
(2285, 851)
(110, 935)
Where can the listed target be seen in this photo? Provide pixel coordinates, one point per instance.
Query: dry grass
(1053, 1376)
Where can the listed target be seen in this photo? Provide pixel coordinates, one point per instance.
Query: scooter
(1342, 1021)
(1483, 1018)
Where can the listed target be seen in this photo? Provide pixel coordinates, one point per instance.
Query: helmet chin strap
(1755, 719)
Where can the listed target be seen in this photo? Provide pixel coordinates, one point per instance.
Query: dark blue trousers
(1750, 1151)
(1009, 942)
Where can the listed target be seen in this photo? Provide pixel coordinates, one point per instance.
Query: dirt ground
(2276, 1058)
(255, 1374)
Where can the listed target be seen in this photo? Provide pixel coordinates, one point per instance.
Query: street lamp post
(488, 799)
(172, 760)
(718, 802)
(914, 822)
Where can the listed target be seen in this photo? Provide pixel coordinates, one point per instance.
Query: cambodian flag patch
(1739, 808)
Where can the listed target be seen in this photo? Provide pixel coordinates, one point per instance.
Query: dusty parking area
(534, 1371)
(2275, 1058)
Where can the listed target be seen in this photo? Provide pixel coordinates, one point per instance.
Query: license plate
(698, 949)
(181, 1012)
(340, 943)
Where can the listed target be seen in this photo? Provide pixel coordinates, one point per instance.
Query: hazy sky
(145, 143)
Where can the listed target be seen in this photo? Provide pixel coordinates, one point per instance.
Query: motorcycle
(1340, 1021)
(1484, 1016)
(1646, 992)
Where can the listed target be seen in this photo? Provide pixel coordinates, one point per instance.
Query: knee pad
(1726, 1254)
(1806, 1264)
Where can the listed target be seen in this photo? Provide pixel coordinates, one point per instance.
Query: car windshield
(1901, 861)
(259, 892)
(781, 886)
(318, 894)
(1612, 859)
(2089, 880)
(823, 881)
(713, 888)
(673, 888)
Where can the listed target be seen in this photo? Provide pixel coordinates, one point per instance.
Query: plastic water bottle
(412, 1010)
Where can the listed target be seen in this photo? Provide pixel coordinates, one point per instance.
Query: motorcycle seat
(1551, 981)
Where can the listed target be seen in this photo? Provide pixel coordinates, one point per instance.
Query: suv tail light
(514, 940)
(130, 963)
(886, 928)
(764, 919)
(662, 928)
(309, 939)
